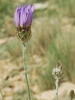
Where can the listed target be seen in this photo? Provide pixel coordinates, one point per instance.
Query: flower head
(23, 16)
(23, 20)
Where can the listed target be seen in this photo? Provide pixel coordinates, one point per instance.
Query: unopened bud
(57, 71)
(71, 94)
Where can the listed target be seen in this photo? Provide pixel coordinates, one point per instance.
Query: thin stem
(57, 88)
(1, 94)
(25, 70)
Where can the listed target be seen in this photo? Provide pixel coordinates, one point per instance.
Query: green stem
(57, 88)
(25, 70)
(1, 94)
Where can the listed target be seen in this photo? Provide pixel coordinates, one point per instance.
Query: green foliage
(14, 48)
(62, 49)
(67, 7)
(21, 95)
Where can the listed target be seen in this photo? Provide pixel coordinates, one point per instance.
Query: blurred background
(53, 38)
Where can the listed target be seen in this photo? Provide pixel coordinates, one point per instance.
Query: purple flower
(23, 16)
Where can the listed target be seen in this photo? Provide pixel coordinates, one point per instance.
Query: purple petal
(23, 16)
(17, 16)
(32, 8)
(29, 16)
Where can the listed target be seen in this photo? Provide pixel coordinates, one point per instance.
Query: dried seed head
(57, 71)
(71, 94)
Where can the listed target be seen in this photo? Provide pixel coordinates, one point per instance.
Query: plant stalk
(25, 70)
(57, 80)
(2, 95)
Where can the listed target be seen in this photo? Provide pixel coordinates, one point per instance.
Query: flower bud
(23, 20)
(71, 94)
(57, 71)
